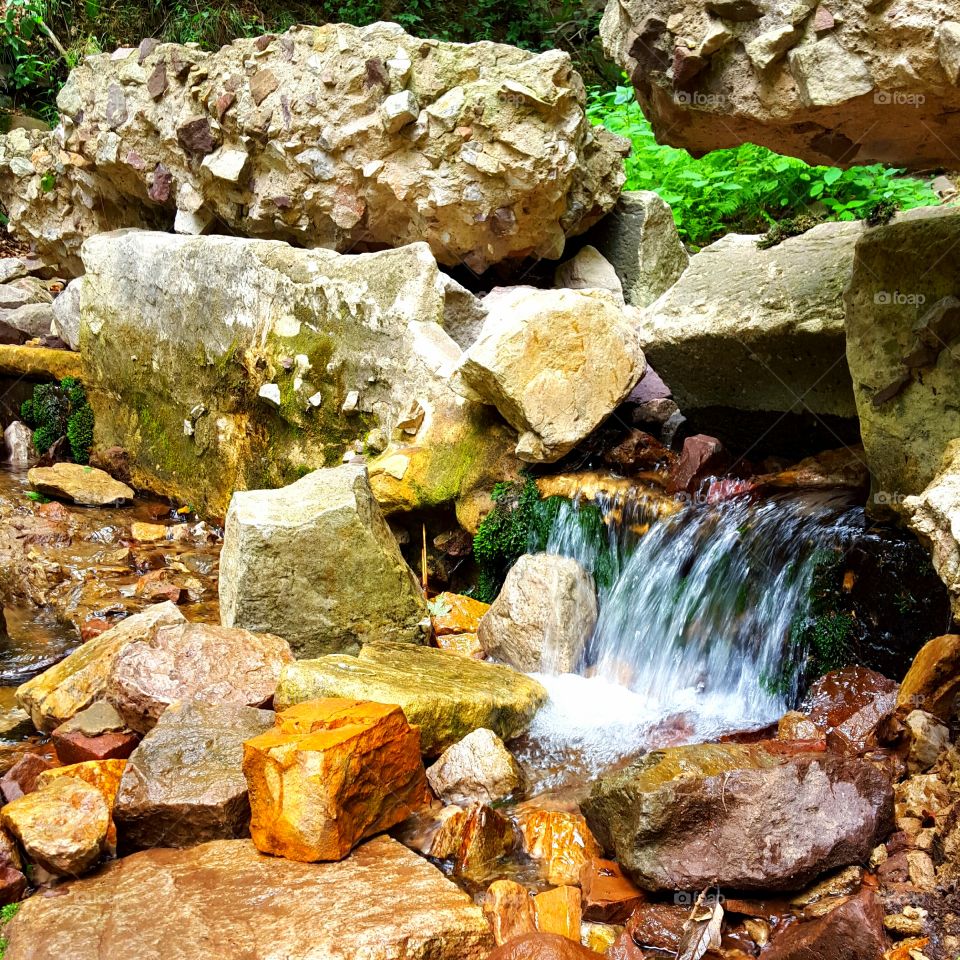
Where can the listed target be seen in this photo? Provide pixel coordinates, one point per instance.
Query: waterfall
(695, 617)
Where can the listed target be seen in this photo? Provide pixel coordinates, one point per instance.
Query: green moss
(58, 410)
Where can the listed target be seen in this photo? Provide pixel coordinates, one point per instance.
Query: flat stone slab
(74, 482)
(446, 695)
(223, 900)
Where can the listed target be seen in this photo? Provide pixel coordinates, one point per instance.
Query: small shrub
(58, 410)
(7, 913)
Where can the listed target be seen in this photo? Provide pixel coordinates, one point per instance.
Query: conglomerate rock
(849, 82)
(334, 136)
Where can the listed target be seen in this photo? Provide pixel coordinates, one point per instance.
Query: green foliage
(58, 410)
(747, 188)
(7, 913)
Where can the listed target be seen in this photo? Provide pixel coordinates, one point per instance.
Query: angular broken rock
(371, 904)
(316, 563)
(80, 484)
(369, 165)
(184, 785)
(194, 661)
(509, 908)
(478, 769)
(63, 827)
(555, 363)
(80, 679)
(447, 696)
(559, 840)
(330, 774)
(588, 270)
(543, 617)
(608, 895)
(932, 683)
(676, 820)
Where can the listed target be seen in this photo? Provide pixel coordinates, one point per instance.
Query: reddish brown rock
(853, 931)
(541, 946)
(21, 778)
(508, 907)
(487, 837)
(849, 705)
(608, 895)
(702, 456)
(331, 773)
(72, 746)
(13, 885)
(658, 925)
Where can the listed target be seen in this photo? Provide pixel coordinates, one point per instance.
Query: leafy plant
(7, 913)
(748, 188)
(58, 410)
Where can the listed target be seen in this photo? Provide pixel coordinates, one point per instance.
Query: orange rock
(607, 895)
(904, 949)
(464, 644)
(488, 836)
(105, 775)
(933, 680)
(560, 839)
(331, 773)
(462, 616)
(558, 911)
(508, 907)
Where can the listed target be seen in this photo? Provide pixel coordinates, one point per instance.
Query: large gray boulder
(639, 237)
(543, 617)
(903, 334)
(758, 329)
(555, 363)
(316, 563)
(225, 364)
(332, 136)
(184, 783)
(840, 83)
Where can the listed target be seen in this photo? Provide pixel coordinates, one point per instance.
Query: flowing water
(693, 638)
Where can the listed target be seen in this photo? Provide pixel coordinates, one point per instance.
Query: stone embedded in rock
(677, 819)
(639, 238)
(371, 905)
(543, 617)
(184, 783)
(478, 769)
(934, 516)
(555, 363)
(327, 170)
(932, 683)
(80, 679)
(854, 95)
(901, 349)
(316, 563)
(80, 484)
(194, 661)
(730, 331)
(330, 774)
(445, 695)
(588, 270)
(453, 613)
(63, 827)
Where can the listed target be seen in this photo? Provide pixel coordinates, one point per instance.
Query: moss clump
(57, 410)
(881, 212)
(791, 227)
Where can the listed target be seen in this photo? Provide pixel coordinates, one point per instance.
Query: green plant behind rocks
(57, 410)
(7, 913)
(748, 188)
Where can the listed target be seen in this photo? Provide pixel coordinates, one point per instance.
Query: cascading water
(694, 634)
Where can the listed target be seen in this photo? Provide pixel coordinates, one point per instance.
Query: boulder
(336, 355)
(63, 827)
(330, 774)
(639, 238)
(588, 270)
(555, 363)
(66, 315)
(80, 679)
(370, 905)
(832, 85)
(194, 662)
(678, 818)
(453, 613)
(543, 617)
(478, 769)
(732, 330)
(901, 324)
(849, 705)
(932, 683)
(316, 146)
(18, 442)
(559, 840)
(934, 516)
(316, 563)
(851, 931)
(541, 946)
(184, 785)
(445, 695)
(34, 320)
(509, 908)
(80, 484)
